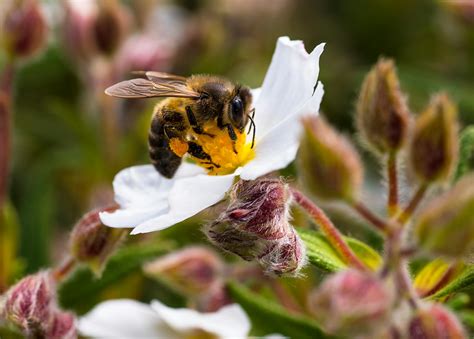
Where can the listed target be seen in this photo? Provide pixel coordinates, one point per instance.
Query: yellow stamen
(220, 148)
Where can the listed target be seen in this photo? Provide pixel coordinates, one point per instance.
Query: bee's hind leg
(196, 151)
(194, 124)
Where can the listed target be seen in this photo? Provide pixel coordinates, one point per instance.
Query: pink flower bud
(255, 226)
(193, 270)
(29, 303)
(435, 321)
(92, 243)
(62, 326)
(24, 28)
(352, 303)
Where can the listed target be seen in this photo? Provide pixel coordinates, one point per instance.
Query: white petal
(188, 197)
(279, 146)
(124, 319)
(289, 82)
(229, 322)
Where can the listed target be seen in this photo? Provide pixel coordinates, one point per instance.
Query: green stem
(330, 231)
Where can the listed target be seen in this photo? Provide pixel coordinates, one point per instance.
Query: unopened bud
(29, 303)
(24, 28)
(110, 26)
(382, 112)
(446, 225)
(92, 243)
(352, 303)
(256, 226)
(435, 321)
(330, 167)
(434, 145)
(62, 326)
(194, 270)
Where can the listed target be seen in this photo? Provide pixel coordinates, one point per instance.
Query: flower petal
(279, 146)
(289, 82)
(124, 318)
(188, 197)
(229, 322)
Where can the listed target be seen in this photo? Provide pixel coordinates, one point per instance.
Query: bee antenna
(252, 123)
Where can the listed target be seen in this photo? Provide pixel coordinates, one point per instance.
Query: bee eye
(237, 110)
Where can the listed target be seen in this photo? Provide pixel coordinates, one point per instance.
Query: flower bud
(24, 28)
(330, 167)
(92, 243)
(62, 326)
(435, 321)
(255, 226)
(382, 112)
(446, 225)
(194, 270)
(29, 303)
(352, 303)
(110, 26)
(434, 145)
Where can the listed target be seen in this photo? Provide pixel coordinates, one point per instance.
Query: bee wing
(161, 76)
(143, 88)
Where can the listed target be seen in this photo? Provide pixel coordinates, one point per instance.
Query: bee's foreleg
(232, 136)
(194, 124)
(196, 151)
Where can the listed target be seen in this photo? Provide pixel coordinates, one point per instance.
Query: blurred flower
(329, 166)
(93, 243)
(150, 202)
(382, 112)
(62, 326)
(433, 147)
(255, 226)
(193, 270)
(446, 225)
(110, 26)
(435, 321)
(24, 28)
(352, 303)
(131, 319)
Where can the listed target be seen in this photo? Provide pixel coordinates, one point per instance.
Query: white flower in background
(125, 318)
(149, 202)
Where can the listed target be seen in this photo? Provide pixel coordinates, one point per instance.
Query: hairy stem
(330, 231)
(405, 285)
(392, 204)
(373, 219)
(408, 211)
(64, 269)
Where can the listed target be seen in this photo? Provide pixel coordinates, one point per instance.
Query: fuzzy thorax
(220, 148)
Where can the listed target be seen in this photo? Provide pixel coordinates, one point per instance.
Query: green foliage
(466, 153)
(464, 281)
(9, 263)
(268, 317)
(82, 290)
(322, 255)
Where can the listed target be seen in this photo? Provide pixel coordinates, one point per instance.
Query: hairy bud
(435, 321)
(62, 326)
(382, 113)
(110, 26)
(446, 225)
(434, 145)
(256, 226)
(352, 303)
(92, 243)
(194, 270)
(28, 304)
(24, 28)
(330, 167)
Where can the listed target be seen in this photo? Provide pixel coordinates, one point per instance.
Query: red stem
(330, 231)
(376, 221)
(63, 270)
(392, 204)
(413, 204)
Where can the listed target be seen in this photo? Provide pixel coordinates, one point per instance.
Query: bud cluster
(256, 226)
(31, 306)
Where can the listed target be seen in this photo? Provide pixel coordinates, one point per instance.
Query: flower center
(225, 155)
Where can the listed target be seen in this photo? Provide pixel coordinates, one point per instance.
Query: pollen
(178, 146)
(226, 155)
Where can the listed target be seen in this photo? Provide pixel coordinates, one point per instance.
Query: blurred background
(69, 139)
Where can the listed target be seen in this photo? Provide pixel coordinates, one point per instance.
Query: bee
(180, 120)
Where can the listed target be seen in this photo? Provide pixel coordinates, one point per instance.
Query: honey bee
(182, 119)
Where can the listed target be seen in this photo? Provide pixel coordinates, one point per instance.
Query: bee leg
(232, 136)
(194, 124)
(196, 151)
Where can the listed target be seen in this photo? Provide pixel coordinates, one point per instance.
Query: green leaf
(322, 255)
(82, 289)
(268, 317)
(466, 153)
(436, 274)
(464, 281)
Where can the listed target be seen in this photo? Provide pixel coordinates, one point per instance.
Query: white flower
(125, 318)
(149, 202)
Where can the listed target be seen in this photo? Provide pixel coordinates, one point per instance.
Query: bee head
(239, 107)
